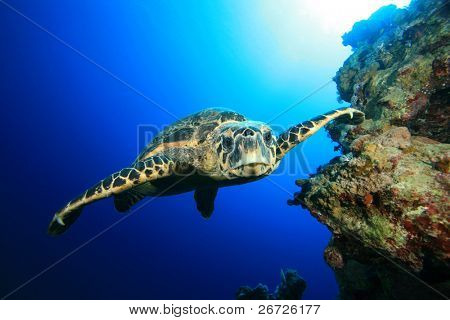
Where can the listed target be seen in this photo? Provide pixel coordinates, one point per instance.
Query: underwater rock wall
(386, 199)
(399, 71)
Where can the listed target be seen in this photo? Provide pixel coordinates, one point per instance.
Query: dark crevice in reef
(386, 199)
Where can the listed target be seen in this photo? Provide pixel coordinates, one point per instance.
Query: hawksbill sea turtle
(205, 151)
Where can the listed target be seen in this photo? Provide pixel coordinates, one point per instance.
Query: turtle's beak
(250, 156)
(252, 159)
(252, 152)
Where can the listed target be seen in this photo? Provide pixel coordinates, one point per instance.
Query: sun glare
(339, 16)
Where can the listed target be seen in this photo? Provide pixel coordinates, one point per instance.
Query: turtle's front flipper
(141, 172)
(296, 134)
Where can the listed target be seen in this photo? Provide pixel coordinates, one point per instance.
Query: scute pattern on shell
(194, 127)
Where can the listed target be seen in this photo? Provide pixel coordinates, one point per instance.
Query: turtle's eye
(227, 143)
(267, 136)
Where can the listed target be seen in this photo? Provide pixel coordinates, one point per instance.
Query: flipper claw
(59, 220)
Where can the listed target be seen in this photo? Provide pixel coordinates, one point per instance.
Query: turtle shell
(190, 131)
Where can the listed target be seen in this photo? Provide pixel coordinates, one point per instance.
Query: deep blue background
(65, 124)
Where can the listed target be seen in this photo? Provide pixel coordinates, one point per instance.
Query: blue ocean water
(68, 119)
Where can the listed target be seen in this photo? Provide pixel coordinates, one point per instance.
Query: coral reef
(399, 71)
(291, 287)
(386, 199)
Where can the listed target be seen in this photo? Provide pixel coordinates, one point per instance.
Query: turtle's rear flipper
(125, 200)
(204, 197)
(153, 168)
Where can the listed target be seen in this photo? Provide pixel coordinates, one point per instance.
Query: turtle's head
(245, 149)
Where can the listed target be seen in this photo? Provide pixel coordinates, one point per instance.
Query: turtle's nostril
(248, 133)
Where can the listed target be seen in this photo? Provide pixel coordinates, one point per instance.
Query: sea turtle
(202, 152)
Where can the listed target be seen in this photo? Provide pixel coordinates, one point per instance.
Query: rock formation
(386, 199)
(291, 287)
